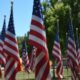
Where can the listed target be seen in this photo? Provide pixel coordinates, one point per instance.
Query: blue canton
(24, 49)
(3, 31)
(11, 22)
(57, 35)
(37, 10)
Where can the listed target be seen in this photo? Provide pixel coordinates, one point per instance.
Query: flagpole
(77, 46)
(66, 52)
(28, 75)
(77, 33)
(58, 25)
(54, 76)
(72, 28)
(70, 16)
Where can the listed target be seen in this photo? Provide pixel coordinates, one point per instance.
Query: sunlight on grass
(25, 76)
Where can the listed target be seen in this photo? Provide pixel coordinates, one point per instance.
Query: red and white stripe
(57, 55)
(26, 61)
(72, 51)
(10, 69)
(37, 38)
(11, 47)
(11, 50)
(72, 56)
(13, 60)
(2, 55)
(33, 59)
(78, 56)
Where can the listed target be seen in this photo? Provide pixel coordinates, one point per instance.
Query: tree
(53, 10)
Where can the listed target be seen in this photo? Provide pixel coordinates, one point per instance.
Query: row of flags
(9, 52)
(25, 58)
(72, 51)
(2, 37)
(37, 38)
(56, 52)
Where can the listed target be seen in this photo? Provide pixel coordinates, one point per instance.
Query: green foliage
(53, 10)
(20, 39)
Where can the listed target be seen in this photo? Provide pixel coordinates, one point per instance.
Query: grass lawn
(66, 75)
(22, 76)
(25, 76)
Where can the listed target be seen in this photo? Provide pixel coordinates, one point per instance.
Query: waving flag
(2, 37)
(71, 51)
(11, 50)
(77, 46)
(57, 54)
(25, 56)
(37, 38)
(68, 60)
(33, 59)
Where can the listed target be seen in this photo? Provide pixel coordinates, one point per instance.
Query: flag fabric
(37, 38)
(71, 51)
(25, 58)
(0, 72)
(69, 63)
(33, 59)
(56, 52)
(11, 50)
(2, 37)
(77, 46)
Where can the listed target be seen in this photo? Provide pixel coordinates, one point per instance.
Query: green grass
(22, 76)
(25, 76)
(66, 75)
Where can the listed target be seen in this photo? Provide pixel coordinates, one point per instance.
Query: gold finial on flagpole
(66, 33)
(70, 12)
(12, 1)
(58, 25)
(4, 16)
(76, 29)
(58, 22)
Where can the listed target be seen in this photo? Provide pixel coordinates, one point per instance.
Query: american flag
(56, 52)
(33, 59)
(11, 50)
(71, 51)
(37, 38)
(2, 37)
(77, 46)
(25, 56)
(69, 64)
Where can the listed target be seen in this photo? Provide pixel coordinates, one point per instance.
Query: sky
(22, 11)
